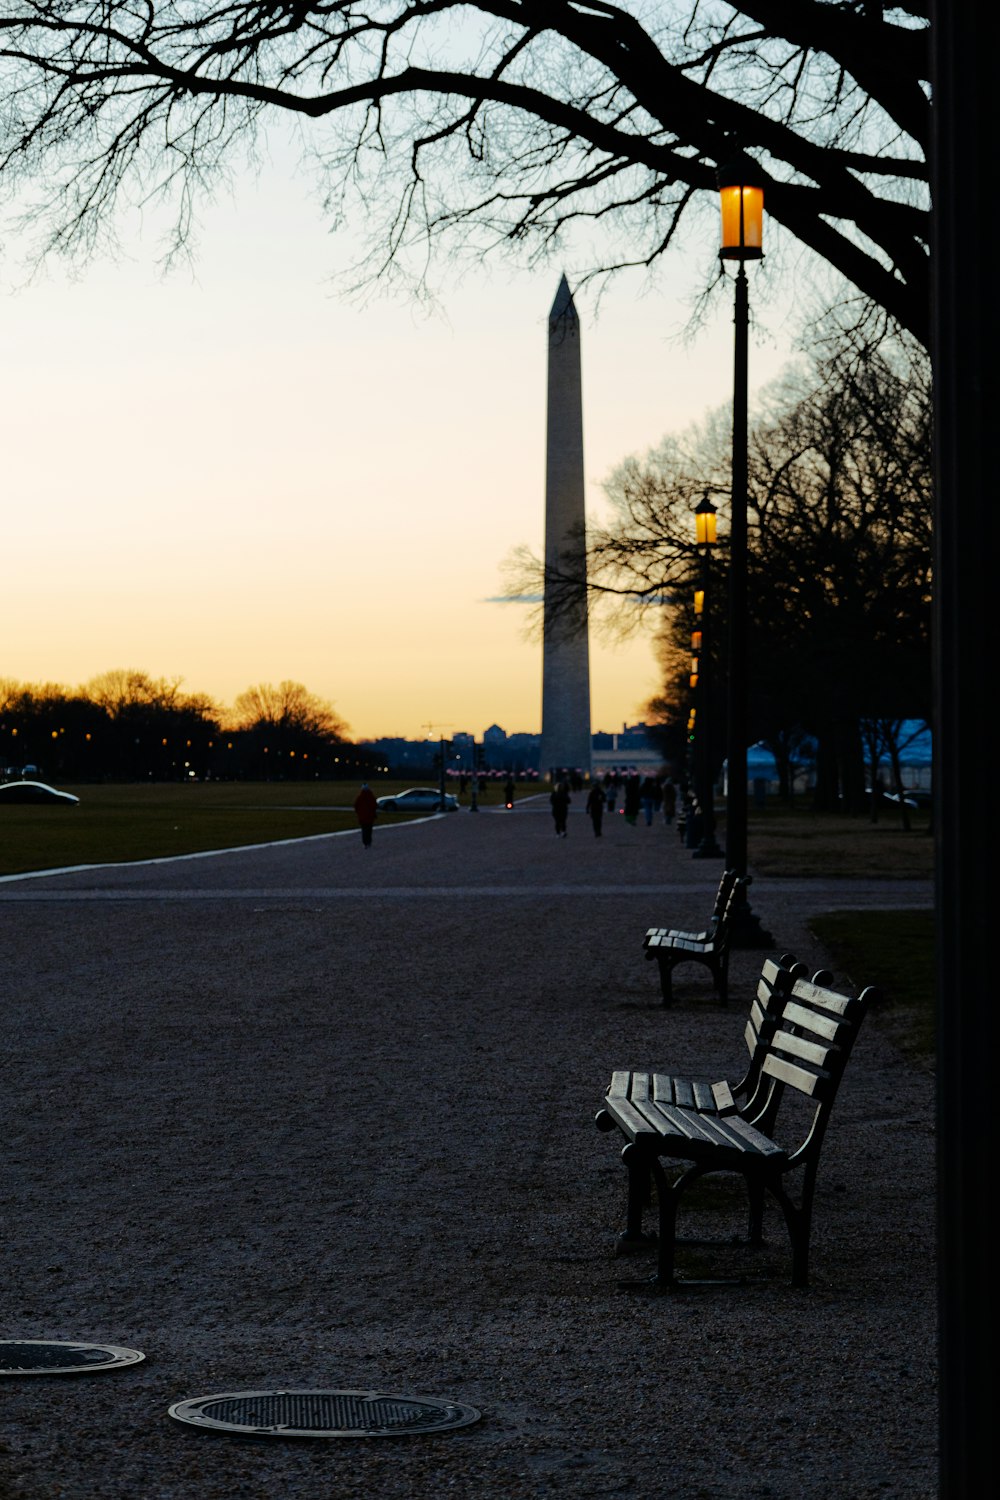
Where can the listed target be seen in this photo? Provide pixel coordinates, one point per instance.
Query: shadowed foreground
(322, 1117)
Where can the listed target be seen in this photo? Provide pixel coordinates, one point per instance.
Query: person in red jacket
(366, 809)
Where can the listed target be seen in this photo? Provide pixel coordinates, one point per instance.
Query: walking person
(366, 811)
(649, 795)
(560, 800)
(632, 798)
(595, 807)
(669, 801)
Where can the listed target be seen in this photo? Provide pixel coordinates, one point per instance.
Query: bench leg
(798, 1219)
(666, 980)
(668, 1196)
(633, 1238)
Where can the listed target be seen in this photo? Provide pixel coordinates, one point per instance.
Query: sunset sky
(232, 475)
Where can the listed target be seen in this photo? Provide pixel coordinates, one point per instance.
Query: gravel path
(314, 1116)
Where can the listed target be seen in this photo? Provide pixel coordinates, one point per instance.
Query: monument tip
(563, 306)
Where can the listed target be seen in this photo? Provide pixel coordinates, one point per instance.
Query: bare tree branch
(503, 125)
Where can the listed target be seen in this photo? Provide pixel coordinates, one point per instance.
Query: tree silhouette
(839, 566)
(505, 124)
(286, 727)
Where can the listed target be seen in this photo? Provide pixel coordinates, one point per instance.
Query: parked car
(911, 797)
(417, 799)
(35, 791)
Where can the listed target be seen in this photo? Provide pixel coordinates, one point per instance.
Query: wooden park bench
(726, 883)
(670, 947)
(630, 1092)
(805, 1057)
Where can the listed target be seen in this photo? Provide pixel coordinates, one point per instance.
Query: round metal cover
(325, 1414)
(43, 1357)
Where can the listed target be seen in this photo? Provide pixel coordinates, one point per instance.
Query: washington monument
(565, 650)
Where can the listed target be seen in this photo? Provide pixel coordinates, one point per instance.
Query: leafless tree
(504, 124)
(290, 708)
(124, 689)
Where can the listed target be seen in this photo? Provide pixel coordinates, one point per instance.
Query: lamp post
(741, 192)
(705, 536)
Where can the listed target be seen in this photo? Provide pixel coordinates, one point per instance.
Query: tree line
(124, 725)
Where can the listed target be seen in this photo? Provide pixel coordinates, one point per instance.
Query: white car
(417, 799)
(35, 791)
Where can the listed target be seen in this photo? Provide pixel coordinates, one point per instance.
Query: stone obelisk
(566, 741)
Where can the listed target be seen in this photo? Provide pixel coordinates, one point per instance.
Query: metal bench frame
(807, 1056)
(672, 947)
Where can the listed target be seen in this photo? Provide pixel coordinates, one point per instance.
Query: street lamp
(705, 535)
(741, 193)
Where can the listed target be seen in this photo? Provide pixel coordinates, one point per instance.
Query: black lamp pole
(736, 750)
(741, 188)
(707, 847)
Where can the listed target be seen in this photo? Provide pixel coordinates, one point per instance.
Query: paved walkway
(315, 1116)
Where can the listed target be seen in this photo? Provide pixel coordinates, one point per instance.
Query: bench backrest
(722, 919)
(809, 1049)
(729, 879)
(774, 987)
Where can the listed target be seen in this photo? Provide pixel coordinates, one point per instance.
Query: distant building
(630, 747)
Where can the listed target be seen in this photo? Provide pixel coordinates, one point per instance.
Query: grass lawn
(799, 841)
(118, 823)
(892, 949)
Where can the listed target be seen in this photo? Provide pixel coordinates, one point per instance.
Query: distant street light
(705, 535)
(741, 193)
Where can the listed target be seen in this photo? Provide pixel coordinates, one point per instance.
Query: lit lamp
(741, 198)
(705, 539)
(741, 193)
(704, 526)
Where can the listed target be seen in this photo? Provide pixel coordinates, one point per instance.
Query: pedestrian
(649, 796)
(610, 789)
(632, 798)
(595, 807)
(366, 810)
(560, 800)
(669, 801)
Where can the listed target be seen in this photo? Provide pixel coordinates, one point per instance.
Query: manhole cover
(43, 1357)
(323, 1414)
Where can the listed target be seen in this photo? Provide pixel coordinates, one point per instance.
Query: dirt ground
(317, 1116)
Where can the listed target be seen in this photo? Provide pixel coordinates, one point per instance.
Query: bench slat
(629, 1119)
(801, 1047)
(687, 945)
(811, 1020)
(685, 1134)
(807, 1083)
(683, 1093)
(725, 1104)
(703, 1095)
(621, 1082)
